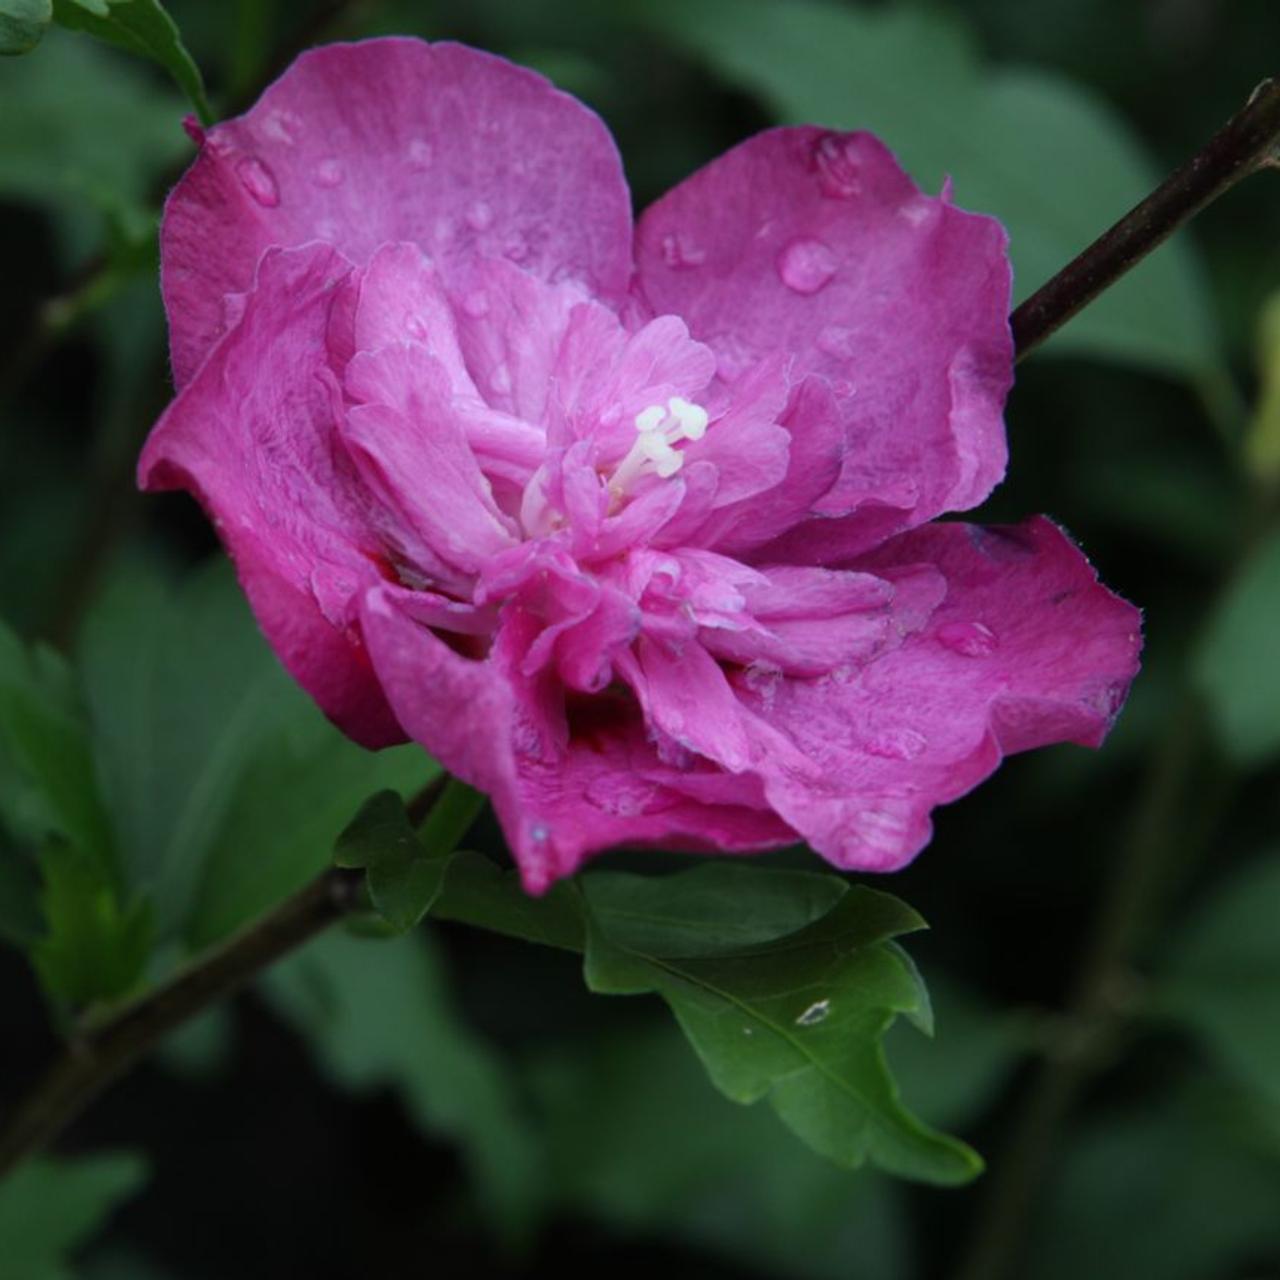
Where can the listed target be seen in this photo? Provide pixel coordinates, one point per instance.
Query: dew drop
(679, 253)
(281, 126)
(897, 744)
(971, 639)
(814, 1014)
(806, 265)
(476, 304)
(539, 833)
(837, 341)
(416, 328)
(329, 172)
(480, 216)
(835, 157)
(258, 181)
(421, 153)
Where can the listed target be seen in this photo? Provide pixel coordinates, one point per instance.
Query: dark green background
(263, 1163)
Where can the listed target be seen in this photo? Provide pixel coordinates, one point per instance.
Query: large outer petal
(561, 792)
(899, 299)
(1027, 648)
(254, 437)
(388, 140)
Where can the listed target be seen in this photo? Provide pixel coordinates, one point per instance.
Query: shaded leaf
(22, 24)
(1174, 1192)
(377, 1014)
(799, 1019)
(1044, 156)
(85, 133)
(1237, 664)
(785, 994)
(1221, 975)
(618, 1110)
(93, 947)
(227, 785)
(49, 1208)
(142, 27)
(45, 751)
(403, 876)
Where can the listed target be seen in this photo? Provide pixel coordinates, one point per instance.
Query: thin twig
(1246, 143)
(96, 1059)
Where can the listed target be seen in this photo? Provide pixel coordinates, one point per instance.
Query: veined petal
(452, 149)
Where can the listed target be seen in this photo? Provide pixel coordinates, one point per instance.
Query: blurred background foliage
(454, 1101)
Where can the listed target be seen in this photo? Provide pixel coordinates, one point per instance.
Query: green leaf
(1222, 972)
(22, 24)
(94, 948)
(616, 1110)
(1174, 1192)
(49, 1208)
(1237, 664)
(784, 983)
(378, 1014)
(477, 893)
(1055, 164)
(46, 754)
(403, 876)
(799, 1019)
(141, 27)
(227, 785)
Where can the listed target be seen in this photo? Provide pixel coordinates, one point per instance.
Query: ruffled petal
(394, 139)
(565, 783)
(254, 438)
(818, 245)
(1027, 648)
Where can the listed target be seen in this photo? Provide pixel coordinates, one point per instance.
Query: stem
(1099, 1009)
(92, 1062)
(1245, 144)
(97, 1058)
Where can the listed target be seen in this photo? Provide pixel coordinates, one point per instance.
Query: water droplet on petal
(835, 157)
(500, 380)
(806, 265)
(539, 833)
(421, 153)
(281, 126)
(971, 639)
(837, 341)
(416, 328)
(916, 212)
(679, 253)
(329, 172)
(258, 181)
(814, 1014)
(476, 304)
(480, 215)
(897, 744)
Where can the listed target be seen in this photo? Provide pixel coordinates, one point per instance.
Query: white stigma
(658, 429)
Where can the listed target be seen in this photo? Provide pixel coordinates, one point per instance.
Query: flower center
(659, 428)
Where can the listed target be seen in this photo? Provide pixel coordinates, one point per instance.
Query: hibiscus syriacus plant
(635, 529)
(643, 530)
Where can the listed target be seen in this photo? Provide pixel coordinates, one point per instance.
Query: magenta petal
(818, 245)
(253, 438)
(1026, 649)
(455, 150)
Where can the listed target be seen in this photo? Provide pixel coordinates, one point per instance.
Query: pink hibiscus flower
(629, 530)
